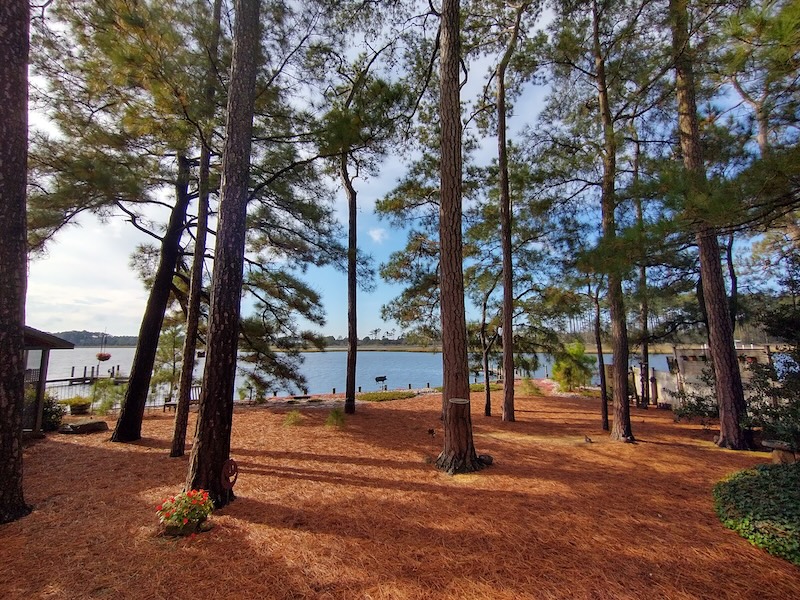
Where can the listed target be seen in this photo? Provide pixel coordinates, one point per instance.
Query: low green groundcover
(763, 505)
(384, 396)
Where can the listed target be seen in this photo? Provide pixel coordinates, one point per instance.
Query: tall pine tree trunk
(506, 223)
(621, 429)
(198, 260)
(129, 424)
(352, 322)
(642, 283)
(458, 454)
(14, 45)
(486, 348)
(193, 311)
(601, 363)
(728, 381)
(211, 448)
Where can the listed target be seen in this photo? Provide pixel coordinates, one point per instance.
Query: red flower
(185, 521)
(159, 507)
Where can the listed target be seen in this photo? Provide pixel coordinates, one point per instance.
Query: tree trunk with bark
(506, 217)
(621, 429)
(193, 311)
(601, 362)
(352, 289)
(642, 282)
(198, 260)
(14, 46)
(728, 381)
(129, 424)
(458, 454)
(212, 442)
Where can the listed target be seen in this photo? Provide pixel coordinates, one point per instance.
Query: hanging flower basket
(103, 356)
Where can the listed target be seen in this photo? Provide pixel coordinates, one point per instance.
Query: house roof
(40, 340)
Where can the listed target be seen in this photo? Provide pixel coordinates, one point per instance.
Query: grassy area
(384, 396)
(762, 504)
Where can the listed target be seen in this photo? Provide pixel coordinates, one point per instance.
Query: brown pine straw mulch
(360, 512)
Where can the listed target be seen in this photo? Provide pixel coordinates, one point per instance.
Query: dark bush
(52, 413)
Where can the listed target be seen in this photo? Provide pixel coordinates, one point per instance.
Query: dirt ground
(360, 512)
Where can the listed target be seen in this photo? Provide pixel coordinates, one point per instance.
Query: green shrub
(388, 395)
(293, 417)
(774, 401)
(572, 367)
(78, 405)
(107, 395)
(763, 506)
(52, 413)
(478, 387)
(335, 418)
(700, 401)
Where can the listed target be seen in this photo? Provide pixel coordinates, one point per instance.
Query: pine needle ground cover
(358, 512)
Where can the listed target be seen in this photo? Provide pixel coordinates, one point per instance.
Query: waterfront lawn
(359, 511)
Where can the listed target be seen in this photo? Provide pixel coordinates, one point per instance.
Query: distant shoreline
(653, 348)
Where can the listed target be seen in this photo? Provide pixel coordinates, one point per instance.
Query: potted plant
(79, 405)
(185, 513)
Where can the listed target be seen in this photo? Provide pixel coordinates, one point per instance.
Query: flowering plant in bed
(185, 513)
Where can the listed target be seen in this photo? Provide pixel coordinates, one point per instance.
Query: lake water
(324, 371)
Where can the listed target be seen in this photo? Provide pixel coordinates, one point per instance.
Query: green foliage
(700, 401)
(52, 413)
(387, 395)
(187, 507)
(52, 410)
(335, 418)
(695, 405)
(774, 403)
(529, 388)
(76, 401)
(94, 338)
(169, 357)
(292, 418)
(763, 506)
(479, 387)
(774, 390)
(572, 368)
(107, 395)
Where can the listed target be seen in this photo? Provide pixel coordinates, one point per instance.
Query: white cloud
(378, 235)
(84, 281)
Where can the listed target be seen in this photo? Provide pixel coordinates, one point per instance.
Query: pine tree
(14, 46)
(728, 383)
(458, 454)
(211, 448)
